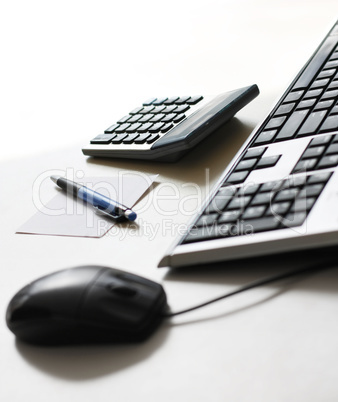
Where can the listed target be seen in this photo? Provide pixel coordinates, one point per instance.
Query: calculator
(164, 129)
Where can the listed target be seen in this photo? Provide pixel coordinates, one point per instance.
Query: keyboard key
(246, 164)
(287, 194)
(293, 123)
(169, 109)
(319, 178)
(133, 128)
(271, 185)
(320, 140)
(306, 104)
(254, 153)
(238, 177)
(333, 85)
(158, 109)
(260, 225)
(207, 220)
(275, 122)
(169, 117)
(313, 152)
(320, 83)
(303, 204)
(311, 190)
(326, 73)
(171, 100)
(157, 117)
(249, 189)
(159, 101)
(294, 219)
(182, 108)
(313, 93)
(103, 139)
(328, 161)
(136, 110)
(265, 137)
(305, 165)
(254, 212)
(312, 123)
(146, 118)
(149, 101)
(330, 94)
(147, 109)
(293, 96)
(284, 109)
(332, 149)
(324, 105)
(262, 198)
(268, 161)
(331, 123)
(278, 209)
(220, 201)
(230, 216)
(239, 202)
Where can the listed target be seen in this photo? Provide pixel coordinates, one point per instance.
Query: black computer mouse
(85, 305)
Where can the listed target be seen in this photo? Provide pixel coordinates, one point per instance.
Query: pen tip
(130, 215)
(54, 178)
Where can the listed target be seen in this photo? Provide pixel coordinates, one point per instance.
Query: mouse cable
(255, 284)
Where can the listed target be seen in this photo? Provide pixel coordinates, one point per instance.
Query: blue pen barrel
(100, 201)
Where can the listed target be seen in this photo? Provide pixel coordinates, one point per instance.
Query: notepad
(64, 215)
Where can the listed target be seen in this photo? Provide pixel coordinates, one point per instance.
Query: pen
(99, 201)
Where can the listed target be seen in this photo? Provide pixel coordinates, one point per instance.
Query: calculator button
(111, 128)
(156, 127)
(169, 109)
(158, 109)
(159, 101)
(144, 128)
(169, 117)
(182, 108)
(130, 139)
(194, 99)
(124, 119)
(157, 117)
(103, 139)
(133, 128)
(119, 138)
(171, 100)
(136, 110)
(182, 99)
(147, 109)
(153, 138)
(142, 138)
(149, 101)
(135, 118)
(122, 128)
(178, 118)
(167, 127)
(146, 118)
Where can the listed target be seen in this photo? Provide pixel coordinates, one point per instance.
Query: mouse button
(121, 290)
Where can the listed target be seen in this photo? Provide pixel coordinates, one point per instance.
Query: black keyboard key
(331, 123)
(221, 200)
(293, 123)
(260, 225)
(275, 122)
(246, 164)
(103, 139)
(328, 161)
(285, 109)
(268, 161)
(237, 177)
(254, 153)
(266, 137)
(312, 123)
(293, 96)
(254, 212)
(294, 219)
(311, 190)
(230, 216)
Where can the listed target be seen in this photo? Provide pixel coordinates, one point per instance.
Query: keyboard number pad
(254, 208)
(147, 123)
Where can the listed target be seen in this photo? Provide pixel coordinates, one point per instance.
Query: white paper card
(66, 216)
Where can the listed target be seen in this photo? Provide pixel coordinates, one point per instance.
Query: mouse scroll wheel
(122, 290)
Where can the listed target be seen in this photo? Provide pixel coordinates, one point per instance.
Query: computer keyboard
(280, 192)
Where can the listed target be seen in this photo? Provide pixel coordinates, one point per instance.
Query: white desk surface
(68, 70)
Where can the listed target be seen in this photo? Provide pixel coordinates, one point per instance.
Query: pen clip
(101, 211)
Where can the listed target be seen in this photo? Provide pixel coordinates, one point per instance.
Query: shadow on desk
(78, 363)
(214, 153)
